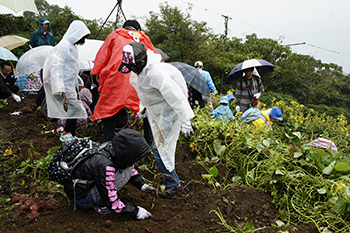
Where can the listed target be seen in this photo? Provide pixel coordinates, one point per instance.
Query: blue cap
(276, 114)
(224, 100)
(230, 97)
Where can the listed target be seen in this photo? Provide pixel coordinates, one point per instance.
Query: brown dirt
(29, 134)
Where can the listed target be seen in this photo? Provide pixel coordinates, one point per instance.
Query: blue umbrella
(262, 66)
(7, 55)
(193, 77)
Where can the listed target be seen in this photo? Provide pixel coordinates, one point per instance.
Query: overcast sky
(322, 24)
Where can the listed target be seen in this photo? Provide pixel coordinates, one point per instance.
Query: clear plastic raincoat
(166, 103)
(61, 75)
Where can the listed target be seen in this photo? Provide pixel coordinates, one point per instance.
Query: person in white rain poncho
(162, 91)
(61, 80)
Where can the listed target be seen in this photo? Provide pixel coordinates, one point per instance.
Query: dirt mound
(196, 209)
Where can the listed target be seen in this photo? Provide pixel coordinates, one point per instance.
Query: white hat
(198, 63)
(46, 22)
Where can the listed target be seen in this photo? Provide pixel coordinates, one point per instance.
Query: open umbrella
(263, 67)
(12, 41)
(193, 77)
(20, 5)
(87, 53)
(7, 55)
(164, 56)
(33, 60)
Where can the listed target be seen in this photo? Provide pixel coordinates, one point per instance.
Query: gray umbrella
(164, 56)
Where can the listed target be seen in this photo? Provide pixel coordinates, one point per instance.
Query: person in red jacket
(115, 88)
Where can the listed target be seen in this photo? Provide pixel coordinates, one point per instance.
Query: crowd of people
(131, 75)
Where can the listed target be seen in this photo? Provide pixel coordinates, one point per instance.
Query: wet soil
(29, 135)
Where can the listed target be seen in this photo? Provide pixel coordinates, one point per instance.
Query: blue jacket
(207, 77)
(222, 112)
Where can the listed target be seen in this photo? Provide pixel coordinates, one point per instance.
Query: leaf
(342, 167)
(279, 172)
(298, 134)
(213, 171)
(297, 154)
(249, 226)
(266, 143)
(342, 206)
(307, 146)
(328, 170)
(218, 148)
(322, 191)
(206, 176)
(280, 223)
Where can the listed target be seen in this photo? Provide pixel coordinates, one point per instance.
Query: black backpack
(69, 156)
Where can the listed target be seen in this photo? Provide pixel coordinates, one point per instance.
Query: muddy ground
(29, 135)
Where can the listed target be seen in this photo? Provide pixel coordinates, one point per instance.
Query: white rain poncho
(166, 103)
(60, 74)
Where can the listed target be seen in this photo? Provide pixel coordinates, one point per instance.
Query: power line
(308, 44)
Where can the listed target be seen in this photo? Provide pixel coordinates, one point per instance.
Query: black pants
(13, 88)
(71, 126)
(113, 123)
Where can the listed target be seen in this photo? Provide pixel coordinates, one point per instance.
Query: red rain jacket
(114, 86)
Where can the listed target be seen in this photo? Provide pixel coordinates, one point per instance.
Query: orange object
(116, 90)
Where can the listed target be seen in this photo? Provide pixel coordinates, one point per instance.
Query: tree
(180, 37)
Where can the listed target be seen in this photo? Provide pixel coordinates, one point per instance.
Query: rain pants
(60, 75)
(166, 103)
(37, 38)
(114, 86)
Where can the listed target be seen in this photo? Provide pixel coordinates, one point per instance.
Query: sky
(320, 28)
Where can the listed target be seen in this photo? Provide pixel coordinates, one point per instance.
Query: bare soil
(29, 135)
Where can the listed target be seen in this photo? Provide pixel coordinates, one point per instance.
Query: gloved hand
(148, 189)
(140, 115)
(186, 129)
(238, 108)
(143, 214)
(257, 95)
(17, 98)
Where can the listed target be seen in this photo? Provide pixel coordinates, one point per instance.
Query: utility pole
(119, 11)
(225, 36)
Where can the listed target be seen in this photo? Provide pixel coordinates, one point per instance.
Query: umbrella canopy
(164, 56)
(33, 60)
(7, 55)
(20, 5)
(263, 67)
(12, 41)
(193, 77)
(87, 53)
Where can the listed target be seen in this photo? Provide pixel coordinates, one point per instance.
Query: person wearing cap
(230, 98)
(269, 117)
(163, 92)
(61, 79)
(223, 111)
(199, 66)
(116, 92)
(108, 171)
(43, 35)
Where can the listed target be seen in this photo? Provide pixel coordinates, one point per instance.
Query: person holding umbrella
(249, 85)
(248, 90)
